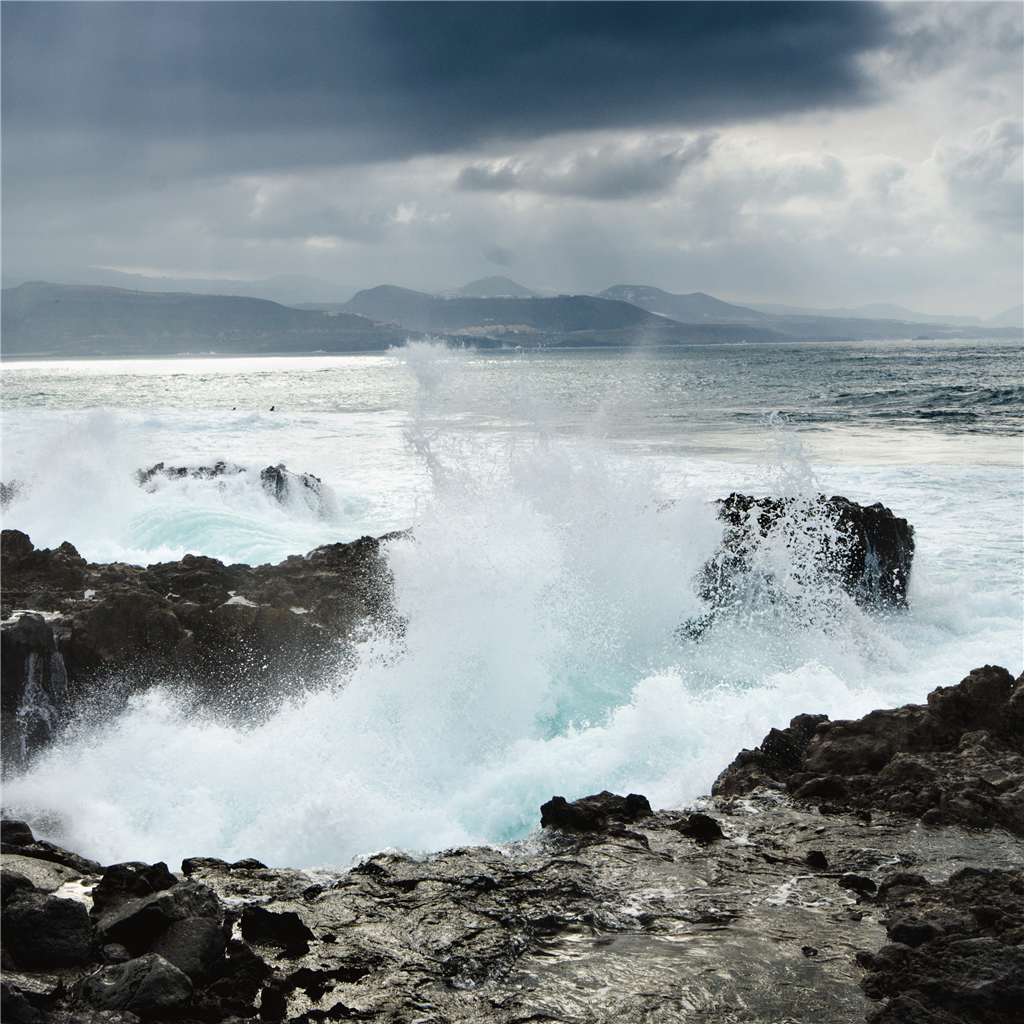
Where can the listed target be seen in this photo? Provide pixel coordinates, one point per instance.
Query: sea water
(560, 505)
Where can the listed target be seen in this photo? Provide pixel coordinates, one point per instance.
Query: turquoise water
(559, 505)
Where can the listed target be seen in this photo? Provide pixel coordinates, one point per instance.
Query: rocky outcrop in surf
(753, 907)
(278, 482)
(781, 554)
(959, 759)
(221, 632)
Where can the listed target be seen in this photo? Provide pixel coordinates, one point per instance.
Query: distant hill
(687, 308)
(287, 289)
(83, 320)
(40, 319)
(700, 308)
(557, 318)
(871, 311)
(493, 287)
(1013, 317)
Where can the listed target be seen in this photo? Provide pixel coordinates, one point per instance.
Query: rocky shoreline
(775, 901)
(239, 638)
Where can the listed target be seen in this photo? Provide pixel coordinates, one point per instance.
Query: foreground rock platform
(752, 908)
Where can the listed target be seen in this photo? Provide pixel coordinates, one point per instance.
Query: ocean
(558, 505)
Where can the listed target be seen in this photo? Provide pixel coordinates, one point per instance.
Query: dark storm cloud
(370, 81)
(610, 173)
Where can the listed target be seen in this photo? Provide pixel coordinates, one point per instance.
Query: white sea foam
(543, 586)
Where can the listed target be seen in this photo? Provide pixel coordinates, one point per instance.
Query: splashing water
(543, 585)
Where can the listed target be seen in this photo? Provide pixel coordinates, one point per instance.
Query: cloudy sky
(811, 153)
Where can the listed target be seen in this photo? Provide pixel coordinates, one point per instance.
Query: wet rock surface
(214, 631)
(959, 759)
(756, 907)
(638, 923)
(829, 545)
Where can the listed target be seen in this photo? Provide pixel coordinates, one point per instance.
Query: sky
(813, 153)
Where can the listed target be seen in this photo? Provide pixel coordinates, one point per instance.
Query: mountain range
(42, 319)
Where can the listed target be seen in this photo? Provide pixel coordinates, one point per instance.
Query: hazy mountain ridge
(698, 307)
(1013, 317)
(79, 320)
(41, 319)
(287, 289)
(553, 317)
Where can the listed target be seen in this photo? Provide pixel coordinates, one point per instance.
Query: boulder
(193, 945)
(148, 986)
(42, 931)
(792, 552)
(124, 883)
(593, 813)
(139, 923)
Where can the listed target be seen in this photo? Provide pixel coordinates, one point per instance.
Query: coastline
(811, 906)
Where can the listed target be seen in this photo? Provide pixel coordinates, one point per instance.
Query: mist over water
(548, 569)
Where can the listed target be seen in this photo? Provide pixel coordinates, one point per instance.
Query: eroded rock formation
(959, 759)
(226, 632)
(793, 553)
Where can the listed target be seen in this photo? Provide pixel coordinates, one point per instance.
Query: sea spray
(541, 588)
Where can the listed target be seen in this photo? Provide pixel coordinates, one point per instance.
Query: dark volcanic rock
(957, 759)
(140, 923)
(593, 813)
(124, 883)
(149, 986)
(236, 637)
(193, 945)
(956, 952)
(827, 544)
(279, 482)
(44, 931)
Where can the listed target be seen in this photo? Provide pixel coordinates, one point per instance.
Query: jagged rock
(44, 875)
(775, 760)
(593, 813)
(278, 482)
(829, 544)
(16, 833)
(955, 952)
(193, 945)
(957, 759)
(16, 840)
(11, 881)
(140, 923)
(236, 637)
(124, 883)
(148, 986)
(42, 931)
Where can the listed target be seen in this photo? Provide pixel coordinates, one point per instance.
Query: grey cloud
(389, 80)
(500, 256)
(984, 174)
(610, 173)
